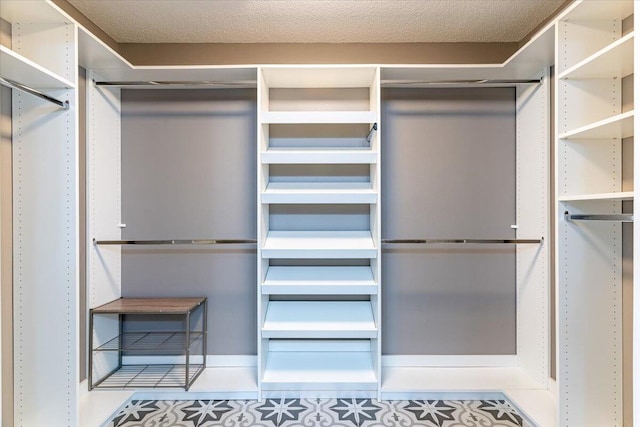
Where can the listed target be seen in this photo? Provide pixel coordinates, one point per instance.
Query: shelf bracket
(373, 129)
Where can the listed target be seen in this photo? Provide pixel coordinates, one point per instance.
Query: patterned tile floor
(318, 413)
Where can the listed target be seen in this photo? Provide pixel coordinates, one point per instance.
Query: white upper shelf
(309, 280)
(314, 76)
(599, 10)
(615, 60)
(319, 156)
(623, 195)
(34, 12)
(319, 244)
(319, 319)
(319, 192)
(318, 117)
(16, 67)
(619, 126)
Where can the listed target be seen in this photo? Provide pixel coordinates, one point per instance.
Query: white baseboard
(213, 361)
(440, 361)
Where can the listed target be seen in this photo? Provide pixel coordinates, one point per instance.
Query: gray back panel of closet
(448, 171)
(189, 171)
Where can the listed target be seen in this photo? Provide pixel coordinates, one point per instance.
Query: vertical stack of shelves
(39, 61)
(318, 230)
(594, 131)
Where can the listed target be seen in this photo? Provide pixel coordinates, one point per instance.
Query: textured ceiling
(320, 21)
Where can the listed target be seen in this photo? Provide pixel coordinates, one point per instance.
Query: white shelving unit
(335, 155)
(316, 152)
(594, 55)
(42, 56)
(319, 281)
(319, 192)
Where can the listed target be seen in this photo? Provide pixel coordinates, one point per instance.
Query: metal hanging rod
(463, 241)
(457, 83)
(177, 242)
(599, 217)
(374, 128)
(19, 86)
(241, 84)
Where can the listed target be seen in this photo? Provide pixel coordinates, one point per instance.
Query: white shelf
(318, 371)
(318, 117)
(619, 126)
(319, 244)
(600, 10)
(540, 406)
(397, 380)
(319, 319)
(319, 156)
(319, 281)
(38, 12)
(319, 192)
(615, 60)
(318, 76)
(14, 66)
(623, 195)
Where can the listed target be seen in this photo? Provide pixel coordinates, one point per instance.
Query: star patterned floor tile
(319, 413)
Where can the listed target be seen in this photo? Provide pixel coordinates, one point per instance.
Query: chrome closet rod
(241, 84)
(19, 86)
(453, 83)
(463, 241)
(177, 242)
(599, 217)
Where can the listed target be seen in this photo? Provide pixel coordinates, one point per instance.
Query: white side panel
(105, 328)
(532, 194)
(56, 54)
(103, 215)
(636, 250)
(45, 234)
(104, 192)
(579, 39)
(590, 317)
(587, 101)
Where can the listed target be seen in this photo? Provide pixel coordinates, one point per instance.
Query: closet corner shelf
(617, 127)
(14, 66)
(319, 192)
(288, 280)
(613, 61)
(319, 319)
(335, 155)
(319, 244)
(318, 117)
(621, 196)
(601, 10)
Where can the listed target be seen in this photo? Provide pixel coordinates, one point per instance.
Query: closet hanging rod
(463, 241)
(177, 242)
(458, 83)
(371, 131)
(599, 217)
(19, 86)
(240, 84)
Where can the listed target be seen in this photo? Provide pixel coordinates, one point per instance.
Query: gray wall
(189, 171)
(448, 171)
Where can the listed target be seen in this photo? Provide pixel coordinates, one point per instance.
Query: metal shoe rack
(108, 354)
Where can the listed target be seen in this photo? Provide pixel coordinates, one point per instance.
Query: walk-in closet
(386, 231)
